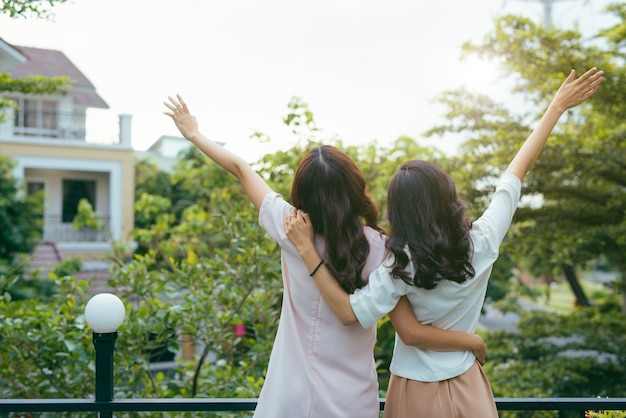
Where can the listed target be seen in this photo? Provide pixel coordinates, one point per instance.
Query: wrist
(194, 137)
(317, 267)
(307, 250)
(556, 108)
(475, 342)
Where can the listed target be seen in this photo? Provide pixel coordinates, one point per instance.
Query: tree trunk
(579, 292)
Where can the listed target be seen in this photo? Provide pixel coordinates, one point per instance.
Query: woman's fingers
(588, 74)
(591, 78)
(169, 106)
(182, 103)
(289, 218)
(176, 105)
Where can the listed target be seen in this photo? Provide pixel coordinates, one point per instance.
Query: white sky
(367, 68)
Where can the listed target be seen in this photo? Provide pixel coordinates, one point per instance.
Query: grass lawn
(562, 298)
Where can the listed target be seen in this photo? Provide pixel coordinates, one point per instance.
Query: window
(28, 113)
(33, 187)
(36, 117)
(73, 191)
(49, 115)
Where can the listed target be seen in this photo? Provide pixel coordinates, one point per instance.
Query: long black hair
(427, 216)
(331, 188)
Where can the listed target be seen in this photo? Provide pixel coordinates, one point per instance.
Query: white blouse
(450, 305)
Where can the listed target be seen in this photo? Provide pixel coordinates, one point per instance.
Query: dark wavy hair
(329, 186)
(427, 216)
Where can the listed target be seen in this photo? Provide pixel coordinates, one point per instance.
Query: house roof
(51, 63)
(9, 56)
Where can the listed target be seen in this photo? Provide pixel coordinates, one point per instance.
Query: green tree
(200, 274)
(25, 8)
(20, 220)
(87, 217)
(575, 206)
(549, 355)
(45, 346)
(33, 84)
(149, 181)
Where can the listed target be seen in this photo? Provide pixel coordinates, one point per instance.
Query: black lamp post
(104, 313)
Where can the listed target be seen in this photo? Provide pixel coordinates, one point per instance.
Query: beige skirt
(468, 395)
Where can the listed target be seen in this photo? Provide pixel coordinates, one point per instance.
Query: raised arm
(571, 93)
(300, 231)
(256, 188)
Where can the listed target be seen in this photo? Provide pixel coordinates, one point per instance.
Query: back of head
(329, 186)
(427, 215)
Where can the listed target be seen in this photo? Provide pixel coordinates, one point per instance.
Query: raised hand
(575, 91)
(184, 120)
(571, 93)
(256, 188)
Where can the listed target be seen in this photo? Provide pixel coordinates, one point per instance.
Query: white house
(46, 136)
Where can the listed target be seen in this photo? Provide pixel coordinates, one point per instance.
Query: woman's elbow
(241, 169)
(409, 338)
(349, 318)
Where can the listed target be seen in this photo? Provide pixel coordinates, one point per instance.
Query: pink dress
(318, 366)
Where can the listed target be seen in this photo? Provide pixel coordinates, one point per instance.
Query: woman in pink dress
(319, 367)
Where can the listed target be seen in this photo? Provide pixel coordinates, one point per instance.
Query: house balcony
(49, 125)
(66, 129)
(60, 231)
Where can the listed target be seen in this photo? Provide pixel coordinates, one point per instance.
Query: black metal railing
(55, 229)
(581, 405)
(41, 124)
(105, 405)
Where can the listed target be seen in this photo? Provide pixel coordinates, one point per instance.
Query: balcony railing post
(104, 343)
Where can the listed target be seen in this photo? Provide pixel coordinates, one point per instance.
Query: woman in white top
(319, 367)
(441, 261)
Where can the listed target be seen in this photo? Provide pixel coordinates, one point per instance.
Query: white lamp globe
(105, 312)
